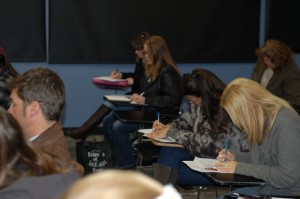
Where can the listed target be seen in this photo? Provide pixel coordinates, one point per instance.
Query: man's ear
(33, 108)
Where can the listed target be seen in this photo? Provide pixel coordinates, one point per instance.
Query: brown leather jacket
(53, 141)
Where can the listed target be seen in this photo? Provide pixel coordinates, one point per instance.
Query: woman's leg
(108, 122)
(123, 151)
(188, 177)
(94, 120)
(173, 157)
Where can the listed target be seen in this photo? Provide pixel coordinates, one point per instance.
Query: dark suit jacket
(284, 84)
(39, 187)
(53, 141)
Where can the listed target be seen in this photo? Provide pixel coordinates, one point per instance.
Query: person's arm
(290, 84)
(278, 161)
(201, 143)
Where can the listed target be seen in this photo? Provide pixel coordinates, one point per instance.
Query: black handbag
(94, 156)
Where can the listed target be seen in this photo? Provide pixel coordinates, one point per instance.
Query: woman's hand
(159, 130)
(130, 81)
(223, 156)
(139, 99)
(116, 75)
(228, 167)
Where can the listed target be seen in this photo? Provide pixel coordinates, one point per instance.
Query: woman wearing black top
(133, 79)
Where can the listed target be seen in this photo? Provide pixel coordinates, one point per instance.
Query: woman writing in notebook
(133, 79)
(201, 130)
(277, 71)
(273, 131)
(161, 85)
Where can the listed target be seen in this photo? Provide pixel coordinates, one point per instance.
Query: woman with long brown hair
(160, 90)
(26, 172)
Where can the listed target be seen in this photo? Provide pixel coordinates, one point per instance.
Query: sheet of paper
(166, 139)
(108, 78)
(119, 98)
(203, 165)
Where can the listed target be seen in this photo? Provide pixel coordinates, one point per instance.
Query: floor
(205, 193)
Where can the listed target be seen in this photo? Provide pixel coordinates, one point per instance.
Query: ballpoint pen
(142, 94)
(158, 118)
(226, 143)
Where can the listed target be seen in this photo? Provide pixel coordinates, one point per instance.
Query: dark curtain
(22, 32)
(89, 31)
(283, 22)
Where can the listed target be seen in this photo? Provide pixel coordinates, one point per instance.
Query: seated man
(37, 101)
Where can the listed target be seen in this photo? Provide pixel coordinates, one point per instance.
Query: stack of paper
(109, 79)
(203, 165)
(118, 98)
(166, 139)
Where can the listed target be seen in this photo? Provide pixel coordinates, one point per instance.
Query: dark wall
(22, 33)
(196, 30)
(90, 31)
(283, 22)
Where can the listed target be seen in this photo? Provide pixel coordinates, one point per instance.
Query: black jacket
(164, 94)
(137, 75)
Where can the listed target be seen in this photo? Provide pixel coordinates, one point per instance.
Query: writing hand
(228, 167)
(157, 133)
(223, 156)
(139, 99)
(158, 125)
(116, 75)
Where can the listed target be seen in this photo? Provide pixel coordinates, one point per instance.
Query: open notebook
(118, 98)
(166, 139)
(203, 165)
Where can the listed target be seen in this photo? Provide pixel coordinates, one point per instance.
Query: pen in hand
(142, 94)
(158, 118)
(226, 144)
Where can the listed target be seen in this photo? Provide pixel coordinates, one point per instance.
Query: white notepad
(203, 165)
(166, 139)
(110, 79)
(118, 98)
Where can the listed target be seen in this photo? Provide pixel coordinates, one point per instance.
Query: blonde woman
(273, 131)
(117, 184)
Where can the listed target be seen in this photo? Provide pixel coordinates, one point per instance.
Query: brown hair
(278, 52)
(160, 54)
(138, 40)
(18, 159)
(44, 86)
(205, 84)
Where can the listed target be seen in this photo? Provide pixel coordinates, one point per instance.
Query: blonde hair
(251, 107)
(115, 184)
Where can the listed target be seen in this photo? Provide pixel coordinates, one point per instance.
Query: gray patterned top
(196, 136)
